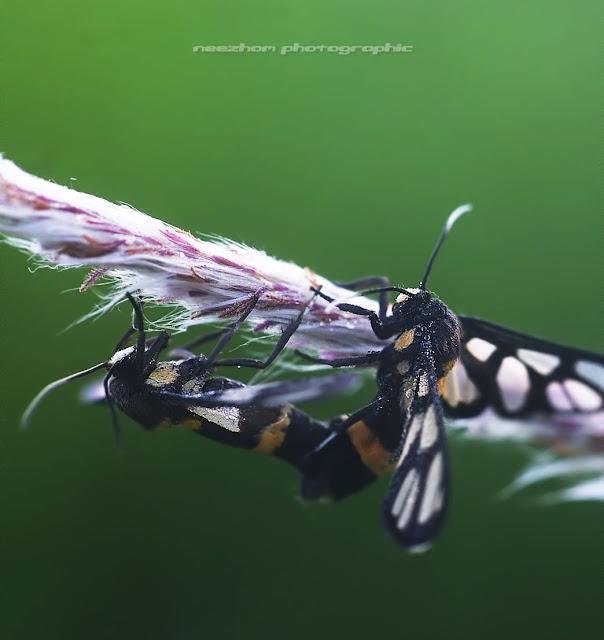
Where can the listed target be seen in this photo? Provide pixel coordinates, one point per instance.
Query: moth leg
(137, 309)
(371, 281)
(287, 333)
(383, 326)
(138, 323)
(368, 359)
(189, 346)
(228, 334)
(154, 347)
(124, 340)
(340, 427)
(186, 351)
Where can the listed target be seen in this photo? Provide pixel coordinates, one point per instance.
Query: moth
(438, 365)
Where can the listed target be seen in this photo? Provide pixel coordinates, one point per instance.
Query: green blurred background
(347, 164)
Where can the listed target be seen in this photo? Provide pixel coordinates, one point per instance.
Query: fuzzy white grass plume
(575, 452)
(208, 279)
(211, 280)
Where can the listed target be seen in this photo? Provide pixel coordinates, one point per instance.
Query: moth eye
(514, 383)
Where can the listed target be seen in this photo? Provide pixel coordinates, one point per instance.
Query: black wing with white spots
(416, 502)
(266, 395)
(518, 375)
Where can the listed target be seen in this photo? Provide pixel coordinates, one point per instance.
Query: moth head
(130, 363)
(410, 300)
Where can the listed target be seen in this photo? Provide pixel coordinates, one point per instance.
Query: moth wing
(519, 376)
(267, 395)
(416, 502)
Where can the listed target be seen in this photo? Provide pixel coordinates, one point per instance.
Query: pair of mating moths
(434, 365)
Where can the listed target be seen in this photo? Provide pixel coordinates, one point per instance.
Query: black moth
(436, 365)
(157, 394)
(441, 365)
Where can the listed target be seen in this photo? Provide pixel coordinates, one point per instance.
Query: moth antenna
(451, 220)
(53, 385)
(365, 292)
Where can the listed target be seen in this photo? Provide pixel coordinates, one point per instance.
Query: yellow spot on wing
(165, 373)
(441, 384)
(458, 388)
(442, 381)
(449, 365)
(404, 340)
